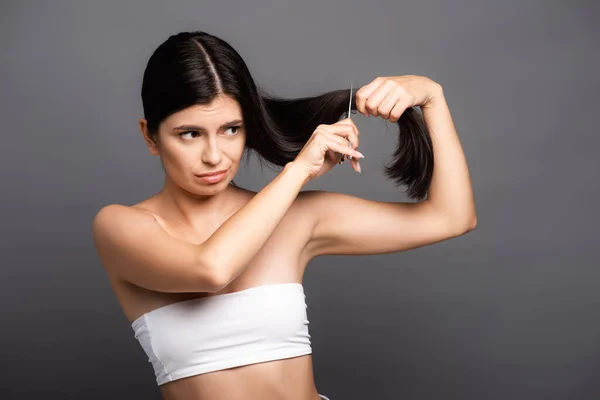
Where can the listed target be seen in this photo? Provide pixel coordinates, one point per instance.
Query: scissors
(348, 116)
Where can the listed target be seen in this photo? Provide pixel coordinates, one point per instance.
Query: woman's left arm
(450, 192)
(346, 224)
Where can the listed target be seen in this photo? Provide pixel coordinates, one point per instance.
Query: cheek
(235, 150)
(177, 158)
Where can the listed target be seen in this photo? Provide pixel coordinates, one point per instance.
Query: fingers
(340, 142)
(347, 129)
(383, 97)
(365, 92)
(353, 141)
(344, 149)
(344, 140)
(373, 101)
(398, 110)
(387, 104)
(354, 162)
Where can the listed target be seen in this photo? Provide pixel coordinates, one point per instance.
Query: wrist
(298, 171)
(436, 97)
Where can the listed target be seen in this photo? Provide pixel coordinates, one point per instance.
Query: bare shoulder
(118, 216)
(115, 225)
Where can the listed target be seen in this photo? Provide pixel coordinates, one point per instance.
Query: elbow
(469, 225)
(473, 222)
(459, 229)
(218, 280)
(212, 278)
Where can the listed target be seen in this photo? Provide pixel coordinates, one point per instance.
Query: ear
(152, 145)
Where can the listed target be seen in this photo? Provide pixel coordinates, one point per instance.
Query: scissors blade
(350, 102)
(349, 115)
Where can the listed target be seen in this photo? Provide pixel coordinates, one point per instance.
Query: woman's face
(198, 140)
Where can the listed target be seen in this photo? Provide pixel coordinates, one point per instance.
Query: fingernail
(360, 154)
(358, 166)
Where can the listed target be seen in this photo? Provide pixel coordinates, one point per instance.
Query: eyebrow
(200, 128)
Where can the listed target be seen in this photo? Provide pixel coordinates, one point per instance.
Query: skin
(317, 223)
(191, 210)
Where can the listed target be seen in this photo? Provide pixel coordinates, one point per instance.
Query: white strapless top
(197, 336)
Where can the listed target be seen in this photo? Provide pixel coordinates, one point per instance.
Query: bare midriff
(286, 379)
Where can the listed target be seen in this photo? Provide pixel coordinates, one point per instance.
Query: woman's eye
(235, 127)
(185, 133)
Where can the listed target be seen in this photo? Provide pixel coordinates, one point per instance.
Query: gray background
(508, 311)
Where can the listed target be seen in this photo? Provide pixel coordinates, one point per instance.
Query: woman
(210, 274)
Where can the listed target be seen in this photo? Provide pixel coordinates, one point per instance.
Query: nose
(211, 153)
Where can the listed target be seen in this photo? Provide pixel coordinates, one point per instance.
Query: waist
(289, 379)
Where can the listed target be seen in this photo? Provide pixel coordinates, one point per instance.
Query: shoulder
(142, 211)
(112, 212)
(117, 217)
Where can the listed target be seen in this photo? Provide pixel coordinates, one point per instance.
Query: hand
(388, 97)
(326, 145)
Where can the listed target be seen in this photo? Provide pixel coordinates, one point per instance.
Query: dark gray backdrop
(508, 311)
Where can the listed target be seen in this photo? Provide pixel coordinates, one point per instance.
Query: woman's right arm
(135, 248)
(231, 247)
(132, 245)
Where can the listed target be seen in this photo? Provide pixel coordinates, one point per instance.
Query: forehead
(222, 109)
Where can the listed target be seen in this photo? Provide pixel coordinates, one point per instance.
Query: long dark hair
(195, 67)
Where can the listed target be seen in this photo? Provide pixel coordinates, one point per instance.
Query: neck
(198, 210)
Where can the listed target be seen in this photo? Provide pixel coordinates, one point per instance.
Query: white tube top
(197, 336)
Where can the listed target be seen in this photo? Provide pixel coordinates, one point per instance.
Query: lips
(213, 173)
